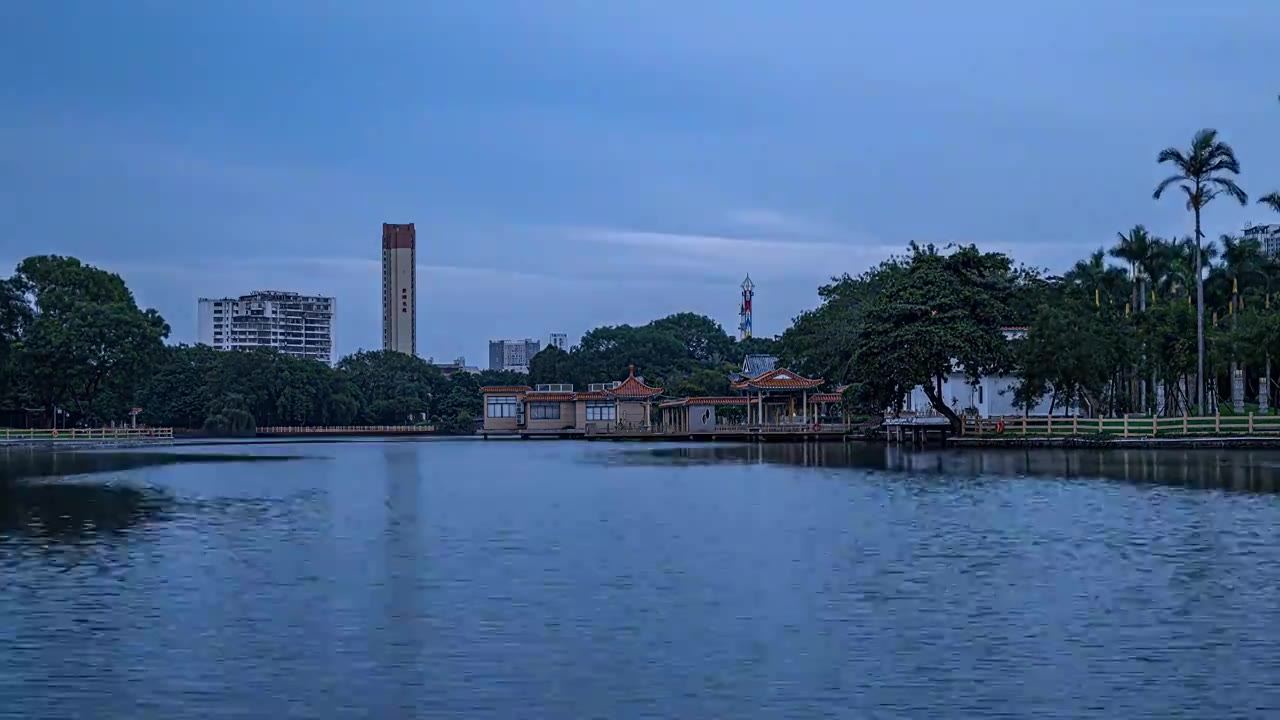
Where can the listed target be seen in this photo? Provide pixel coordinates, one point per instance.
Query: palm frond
(1272, 199)
(1229, 186)
(1164, 184)
(1173, 155)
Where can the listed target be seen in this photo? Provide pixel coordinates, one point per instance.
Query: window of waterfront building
(502, 406)
(544, 411)
(601, 410)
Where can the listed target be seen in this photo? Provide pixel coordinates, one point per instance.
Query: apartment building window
(544, 411)
(501, 406)
(601, 410)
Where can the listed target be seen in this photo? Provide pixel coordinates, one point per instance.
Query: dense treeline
(685, 353)
(232, 392)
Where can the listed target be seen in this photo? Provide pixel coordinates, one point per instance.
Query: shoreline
(1243, 442)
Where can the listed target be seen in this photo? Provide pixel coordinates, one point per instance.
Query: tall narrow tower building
(399, 289)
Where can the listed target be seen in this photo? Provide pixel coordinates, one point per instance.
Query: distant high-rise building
(560, 340)
(399, 289)
(1268, 236)
(512, 355)
(296, 325)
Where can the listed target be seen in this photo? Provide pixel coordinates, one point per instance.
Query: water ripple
(585, 580)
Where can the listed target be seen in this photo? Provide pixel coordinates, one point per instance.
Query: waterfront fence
(1126, 426)
(346, 430)
(60, 434)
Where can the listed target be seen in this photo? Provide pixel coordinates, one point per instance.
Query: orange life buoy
(55, 432)
(999, 427)
(817, 427)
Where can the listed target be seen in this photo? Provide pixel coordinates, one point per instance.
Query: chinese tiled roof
(505, 389)
(756, 365)
(825, 397)
(633, 388)
(592, 395)
(777, 379)
(730, 400)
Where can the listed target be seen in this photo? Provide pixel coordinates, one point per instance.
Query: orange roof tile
(505, 389)
(633, 388)
(825, 397)
(730, 400)
(591, 395)
(778, 379)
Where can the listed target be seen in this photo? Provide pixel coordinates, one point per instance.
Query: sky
(573, 163)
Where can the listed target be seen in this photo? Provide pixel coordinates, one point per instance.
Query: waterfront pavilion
(557, 409)
(698, 414)
(778, 395)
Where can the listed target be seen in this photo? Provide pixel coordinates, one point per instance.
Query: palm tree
(1138, 250)
(1273, 200)
(1096, 277)
(1242, 259)
(1202, 176)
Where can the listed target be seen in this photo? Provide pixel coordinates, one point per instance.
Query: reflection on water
(33, 463)
(75, 510)
(1224, 469)
(68, 496)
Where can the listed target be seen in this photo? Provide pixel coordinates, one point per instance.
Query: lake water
(533, 579)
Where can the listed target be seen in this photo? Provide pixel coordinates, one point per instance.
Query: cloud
(763, 256)
(773, 221)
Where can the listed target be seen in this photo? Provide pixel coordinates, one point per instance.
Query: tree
(15, 316)
(1271, 199)
(705, 342)
(229, 416)
(551, 365)
(1136, 249)
(1071, 353)
(396, 387)
(1102, 283)
(87, 345)
(1201, 174)
(930, 314)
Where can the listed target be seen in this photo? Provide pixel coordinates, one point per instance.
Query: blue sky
(571, 164)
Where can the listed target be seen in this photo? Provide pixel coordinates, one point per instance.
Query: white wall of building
(400, 300)
(399, 288)
(992, 395)
(298, 325)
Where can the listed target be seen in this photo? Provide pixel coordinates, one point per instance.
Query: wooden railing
(122, 433)
(346, 430)
(728, 428)
(1124, 426)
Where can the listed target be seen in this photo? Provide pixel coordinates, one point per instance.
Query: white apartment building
(295, 324)
(1268, 236)
(560, 340)
(512, 355)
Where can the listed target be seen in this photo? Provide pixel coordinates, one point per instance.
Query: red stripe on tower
(398, 237)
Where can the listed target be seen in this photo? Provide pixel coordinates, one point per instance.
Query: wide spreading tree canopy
(911, 321)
